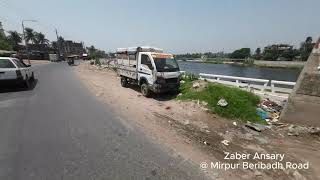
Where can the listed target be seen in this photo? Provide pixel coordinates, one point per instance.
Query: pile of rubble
(270, 112)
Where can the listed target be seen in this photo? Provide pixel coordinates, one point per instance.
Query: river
(280, 74)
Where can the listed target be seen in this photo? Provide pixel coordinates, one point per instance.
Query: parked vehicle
(150, 68)
(70, 60)
(14, 71)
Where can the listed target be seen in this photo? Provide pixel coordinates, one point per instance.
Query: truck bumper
(159, 88)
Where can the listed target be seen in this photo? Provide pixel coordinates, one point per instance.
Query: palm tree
(40, 38)
(29, 35)
(15, 38)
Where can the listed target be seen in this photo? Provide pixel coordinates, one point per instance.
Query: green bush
(97, 62)
(241, 104)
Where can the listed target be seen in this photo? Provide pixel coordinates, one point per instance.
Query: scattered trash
(234, 123)
(195, 85)
(225, 142)
(167, 107)
(186, 122)
(206, 143)
(256, 127)
(295, 130)
(270, 110)
(205, 109)
(257, 173)
(318, 68)
(180, 94)
(203, 103)
(182, 81)
(298, 176)
(262, 114)
(222, 102)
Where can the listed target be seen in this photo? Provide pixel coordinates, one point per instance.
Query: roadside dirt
(198, 135)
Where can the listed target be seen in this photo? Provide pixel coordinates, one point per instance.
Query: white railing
(287, 89)
(250, 83)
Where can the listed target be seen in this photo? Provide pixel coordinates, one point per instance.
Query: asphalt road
(58, 131)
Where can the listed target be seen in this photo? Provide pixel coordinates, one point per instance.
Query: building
(278, 48)
(72, 48)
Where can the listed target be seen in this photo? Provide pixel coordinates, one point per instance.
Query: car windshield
(166, 64)
(19, 63)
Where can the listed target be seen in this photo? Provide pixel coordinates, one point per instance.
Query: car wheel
(145, 90)
(124, 82)
(27, 83)
(32, 77)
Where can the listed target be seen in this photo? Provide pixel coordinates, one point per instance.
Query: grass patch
(241, 104)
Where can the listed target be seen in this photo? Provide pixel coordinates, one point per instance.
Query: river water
(280, 74)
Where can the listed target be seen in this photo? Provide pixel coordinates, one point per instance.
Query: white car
(13, 71)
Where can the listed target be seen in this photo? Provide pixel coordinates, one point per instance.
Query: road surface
(59, 131)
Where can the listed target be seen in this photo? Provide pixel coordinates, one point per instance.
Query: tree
(306, 48)
(40, 38)
(15, 38)
(241, 53)
(29, 35)
(5, 43)
(258, 51)
(257, 54)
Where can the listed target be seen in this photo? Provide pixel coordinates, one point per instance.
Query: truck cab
(150, 68)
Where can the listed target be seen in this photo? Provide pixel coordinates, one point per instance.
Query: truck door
(145, 68)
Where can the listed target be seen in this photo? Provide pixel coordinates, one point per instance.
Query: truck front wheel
(145, 90)
(124, 82)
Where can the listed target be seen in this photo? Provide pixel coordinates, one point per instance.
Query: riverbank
(197, 135)
(280, 64)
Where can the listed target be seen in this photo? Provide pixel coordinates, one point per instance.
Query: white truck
(150, 68)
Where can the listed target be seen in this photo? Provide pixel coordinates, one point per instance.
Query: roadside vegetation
(241, 104)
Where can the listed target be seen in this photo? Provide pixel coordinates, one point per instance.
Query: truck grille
(172, 80)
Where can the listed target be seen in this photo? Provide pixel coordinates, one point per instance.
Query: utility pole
(24, 37)
(25, 42)
(58, 44)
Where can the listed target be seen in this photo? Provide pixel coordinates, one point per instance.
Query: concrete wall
(304, 102)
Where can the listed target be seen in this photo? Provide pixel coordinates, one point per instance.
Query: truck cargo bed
(127, 71)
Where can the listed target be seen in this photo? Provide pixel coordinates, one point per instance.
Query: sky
(177, 26)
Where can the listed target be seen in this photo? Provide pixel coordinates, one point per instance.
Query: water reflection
(280, 74)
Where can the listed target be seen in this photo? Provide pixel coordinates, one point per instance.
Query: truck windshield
(166, 64)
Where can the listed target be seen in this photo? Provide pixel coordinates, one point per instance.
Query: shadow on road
(166, 96)
(18, 88)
